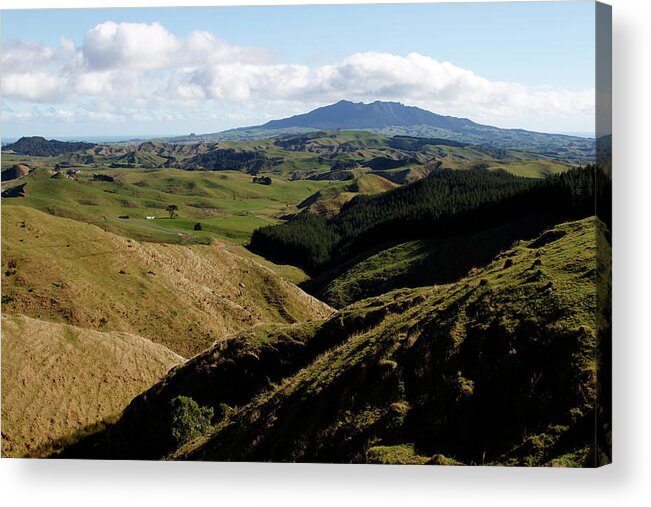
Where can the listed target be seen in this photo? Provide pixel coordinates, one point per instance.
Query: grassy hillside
(60, 382)
(183, 297)
(329, 201)
(497, 368)
(309, 155)
(419, 263)
(228, 204)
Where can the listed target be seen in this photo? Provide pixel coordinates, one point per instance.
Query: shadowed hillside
(497, 368)
(419, 263)
(446, 203)
(15, 172)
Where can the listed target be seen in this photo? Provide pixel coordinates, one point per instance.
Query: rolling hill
(61, 382)
(227, 204)
(463, 335)
(446, 203)
(15, 172)
(419, 263)
(182, 297)
(497, 368)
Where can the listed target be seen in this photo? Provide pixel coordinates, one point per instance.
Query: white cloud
(150, 46)
(147, 70)
(34, 86)
(442, 87)
(129, 45)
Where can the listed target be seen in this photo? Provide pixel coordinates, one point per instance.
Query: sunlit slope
(329, 201)
(498, 368)
(184, 297)
(227, 204)
(59, 381)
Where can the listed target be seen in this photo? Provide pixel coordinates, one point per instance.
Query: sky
(172, 71)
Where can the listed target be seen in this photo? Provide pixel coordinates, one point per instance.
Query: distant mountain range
(393, 118)
(386, 118)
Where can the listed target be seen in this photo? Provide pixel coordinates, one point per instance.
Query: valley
(417, 289)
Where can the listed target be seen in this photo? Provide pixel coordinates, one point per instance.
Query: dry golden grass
(374, 184)
(59, 381)
(183, 297)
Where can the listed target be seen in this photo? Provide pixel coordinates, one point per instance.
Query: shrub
(262, 180)
(189, 420)
(103, 177)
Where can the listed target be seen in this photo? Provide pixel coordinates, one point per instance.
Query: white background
(626, 482)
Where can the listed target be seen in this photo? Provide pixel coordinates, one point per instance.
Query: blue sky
(522, 64)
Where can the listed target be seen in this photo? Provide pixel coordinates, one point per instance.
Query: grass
(183, 297)
(58, 379)
(497, 368)
(402, 454)
(418, 263)
(227, 204)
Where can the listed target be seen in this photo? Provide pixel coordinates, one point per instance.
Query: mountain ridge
(394, 118)
(376, 114)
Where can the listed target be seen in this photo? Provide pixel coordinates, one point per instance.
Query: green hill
(419, 263)
(308, 155)
(497, 368)
(183, 297)
(329, 201)
(227, 204)
(139, 159)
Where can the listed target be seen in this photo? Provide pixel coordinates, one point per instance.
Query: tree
(172, 209)
(197, 226)
(189, 420)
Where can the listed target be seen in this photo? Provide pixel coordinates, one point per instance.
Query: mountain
(497, 368)
(377, 115)
(393, 118)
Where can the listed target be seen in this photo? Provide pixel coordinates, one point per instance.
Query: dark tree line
(445, 203)
(41, 147)
(409, 143)
(385, 163)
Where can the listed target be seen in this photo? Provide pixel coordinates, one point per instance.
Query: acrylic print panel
(335, 233)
